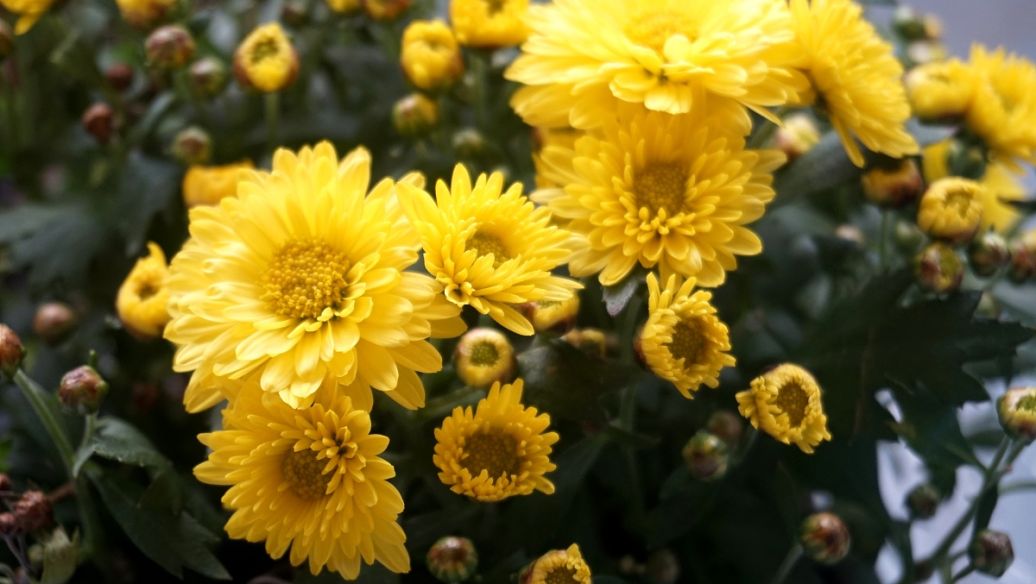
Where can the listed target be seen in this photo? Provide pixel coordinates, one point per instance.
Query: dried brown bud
(119, 76)
(706, 456)
(938, 268)
(82, 389)
(33, 511)
(99, 121)
(11, 351)
(825, 538)
(1023, 258)
(54, 321)
(991, 552)
(923, 501)
(727, 425)
(208, 77)
(169, 47)
(452, 559)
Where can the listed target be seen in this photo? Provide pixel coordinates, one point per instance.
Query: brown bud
(415, 115)
(5, 483)
(894, 186)
(169, 47)
(938, 268)
(727, 425)
(208, 77)
(923, 501)
(99, 121)
(192, 146)
(991, 552)
(82, 389)
(119, 76)
(11, 351)
(452, 559)
(706, 456)
(825, 538)
(1023, 258)
(33, 511)
(54, 321)
(9, 524)
(6, 40)
(988, 253)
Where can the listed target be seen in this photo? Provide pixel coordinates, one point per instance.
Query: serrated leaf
(932, 430)
(119, 441)
(60, 557)
(144, 188)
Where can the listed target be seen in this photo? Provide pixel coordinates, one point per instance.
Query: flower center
(146, 290)
(485, 244)
(303, 473)
(959, 200)
(688, 342)
(495, 6)
(652, 28)
(792, 400)
(561, 575)
(1027, 403)
(485, 354)
(263, 50)
(661, 186)
(493, 451)
(306, 280)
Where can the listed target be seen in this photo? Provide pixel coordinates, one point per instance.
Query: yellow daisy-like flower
(311, 480)
(489, 23)
(142, 298)
(565, 566)
(302, 278)
(941, 90)
(666, 191)
(951, 209)
(683, 341)
(999, 188)
(28, 11)
(491, 249)
(500, 450)
(430, 55)
(343, 6)
(785, 403)
(586, 57)
(266, 60)
(1003, 112)
(856, 77)
(208, 185)
(144, 13)
(483, 357)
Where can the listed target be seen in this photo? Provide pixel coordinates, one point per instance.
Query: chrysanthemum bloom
(683, 341)
(951, 209)
(343, 6)
(483, 357)
(266, 60)
(1000, 187)
(301, 278)
(797, 136)
(491, 249)
(208, 185)
(565, 566)
(553, 315)
(489, 23)
(941, 90)
(430, 55)
(142, 298)
(1003, 111)
(856, 77)
(1017, 409)
(144, 13)
(312, 480)
(384, 10)
(28, 12)
(785, 403)
(500, 450)
(585, 57)
(666, 191)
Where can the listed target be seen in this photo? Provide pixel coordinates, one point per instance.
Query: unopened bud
(11, 351)
(99, 121)
(909, 24)
(415, 115)
(169, 47)
(1023, 258)
(384, 10)
(6, 40)
(484, 355)
(119, 76)
(799, 135)
(727, 426)
(552, 315)
(589, 340)
(33, 511)
(54, 321)
(966, 160)
(266, 60)
(988, 253)
(82, 389)
(468, 143)
(895, 186)
(991, 552)
(940, 91)
(908, 237)
(452, 559)
(208, 77)
(825, 538)
(8, 524)
(923, 501)
(663, 567)
(294, 13)
(951, 209)
(1017, 409)
(706, 456)
(192, 146)
(343, 6)
(926, 51)
(5, 483)
(938, 268)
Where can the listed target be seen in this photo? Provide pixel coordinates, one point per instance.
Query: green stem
(480, 76)
(88, 429)
(883, 239)
(628, 403)
(961, 575)
(36, 397)
(793, 557)
(273, 114)
(92, 531)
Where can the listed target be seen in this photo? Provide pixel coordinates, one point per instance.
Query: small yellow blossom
(266, 59)
(1003, 112)
(144, 13)
(565, 566)
(1000, 187)
(489, 23)
(142, 298)
(951, 209)
(941, 90)
(483, 357)
(785, 403)
(28, 11)
(430, 55)
(208, 185)
(384, 10)
(343, 6)
(797, 136)
(547, 315)
(1017, 409)
(499, 450)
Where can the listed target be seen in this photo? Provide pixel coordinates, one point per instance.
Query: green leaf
(5, 452)
(986, 506)
(60, 557)
(932, 430)
(824, 167)
(119, 441)
(144, 188)
(617, 297)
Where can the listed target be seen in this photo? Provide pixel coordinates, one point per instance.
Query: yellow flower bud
(951, 209)
(489, 24)
(266, 59)
(431, 56)
(941, 90)
(894, 186)
(484, 356)
(28, 11)
(414, 115)
(385, 10)
(144, 13)
(142, 298)
(343, 6)
(589, 340)
(825, 538)
(546, 315)
(798, 135)
(938, 268)
(1017, 409)
(208, 185)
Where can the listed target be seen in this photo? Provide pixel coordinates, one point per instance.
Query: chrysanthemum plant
(499, 290)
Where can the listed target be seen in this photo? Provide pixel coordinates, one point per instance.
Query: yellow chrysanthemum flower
(144, 13)
(941, 90)
(666, 191)
(1003, 112)
(856, 77)
(142, 298)
(500, 450)
(28, 11)
(489, 23)
(551, 314)
(266, 60)
(302, 278)
(586, 57)
(208, 185)
(343, 6)
(565, 566)
(483, 357)
(1000, 188)
(492, 250)
(312, 480)
(951, 209)
(430, 55)
(683, 341)
(785, 403)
